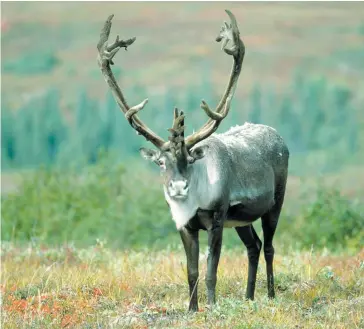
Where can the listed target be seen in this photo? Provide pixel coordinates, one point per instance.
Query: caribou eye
(162, 163)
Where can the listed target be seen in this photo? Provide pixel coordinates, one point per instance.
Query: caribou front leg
(191, 245)
(214, 250)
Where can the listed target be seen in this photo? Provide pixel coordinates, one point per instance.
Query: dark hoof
(193, 309)
(249, 297)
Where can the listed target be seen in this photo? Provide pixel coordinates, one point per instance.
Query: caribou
(213, 181)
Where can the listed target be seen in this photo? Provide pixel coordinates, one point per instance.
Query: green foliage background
(79, 197)
(125, 208)
(70, 194)
(317, 119)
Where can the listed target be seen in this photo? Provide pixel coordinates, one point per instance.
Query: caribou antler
(105, 59)
(177, 143)
(177, 139)
(229, 32)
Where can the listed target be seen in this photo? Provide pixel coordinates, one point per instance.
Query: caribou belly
(240, 215)
(235, 223)
(230, 223)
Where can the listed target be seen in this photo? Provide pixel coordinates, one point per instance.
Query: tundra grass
(96, 287)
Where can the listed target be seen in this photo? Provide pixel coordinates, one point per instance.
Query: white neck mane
(182, 211)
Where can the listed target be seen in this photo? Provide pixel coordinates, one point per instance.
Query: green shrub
(331, 222)
(124, 205)
(100, 201)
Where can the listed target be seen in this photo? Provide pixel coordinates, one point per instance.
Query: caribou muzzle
(178, 189)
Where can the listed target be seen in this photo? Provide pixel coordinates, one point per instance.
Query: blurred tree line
(317, 119)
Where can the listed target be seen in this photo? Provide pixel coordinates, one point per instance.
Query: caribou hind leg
(253, 244)
(269, 225)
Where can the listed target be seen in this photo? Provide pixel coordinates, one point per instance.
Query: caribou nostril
(186, 185)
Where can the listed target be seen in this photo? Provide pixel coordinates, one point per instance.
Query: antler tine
(105, 59)
(227, 33)
(177, 132)
(177, 139)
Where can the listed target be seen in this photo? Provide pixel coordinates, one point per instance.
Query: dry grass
(100, 288)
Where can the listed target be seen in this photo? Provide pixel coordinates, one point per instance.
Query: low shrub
(81, 206)
(124, 206)
(331, 222)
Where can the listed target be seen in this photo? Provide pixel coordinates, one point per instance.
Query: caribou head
(176, 161)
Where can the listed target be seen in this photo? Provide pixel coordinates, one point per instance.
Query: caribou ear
(149, 154)
(199, 152)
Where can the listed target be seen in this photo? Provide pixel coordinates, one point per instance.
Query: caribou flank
(212, 181)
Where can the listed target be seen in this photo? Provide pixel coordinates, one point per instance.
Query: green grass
(99, 288)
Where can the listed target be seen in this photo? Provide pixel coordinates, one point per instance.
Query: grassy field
(93, 245)
(100, 288)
